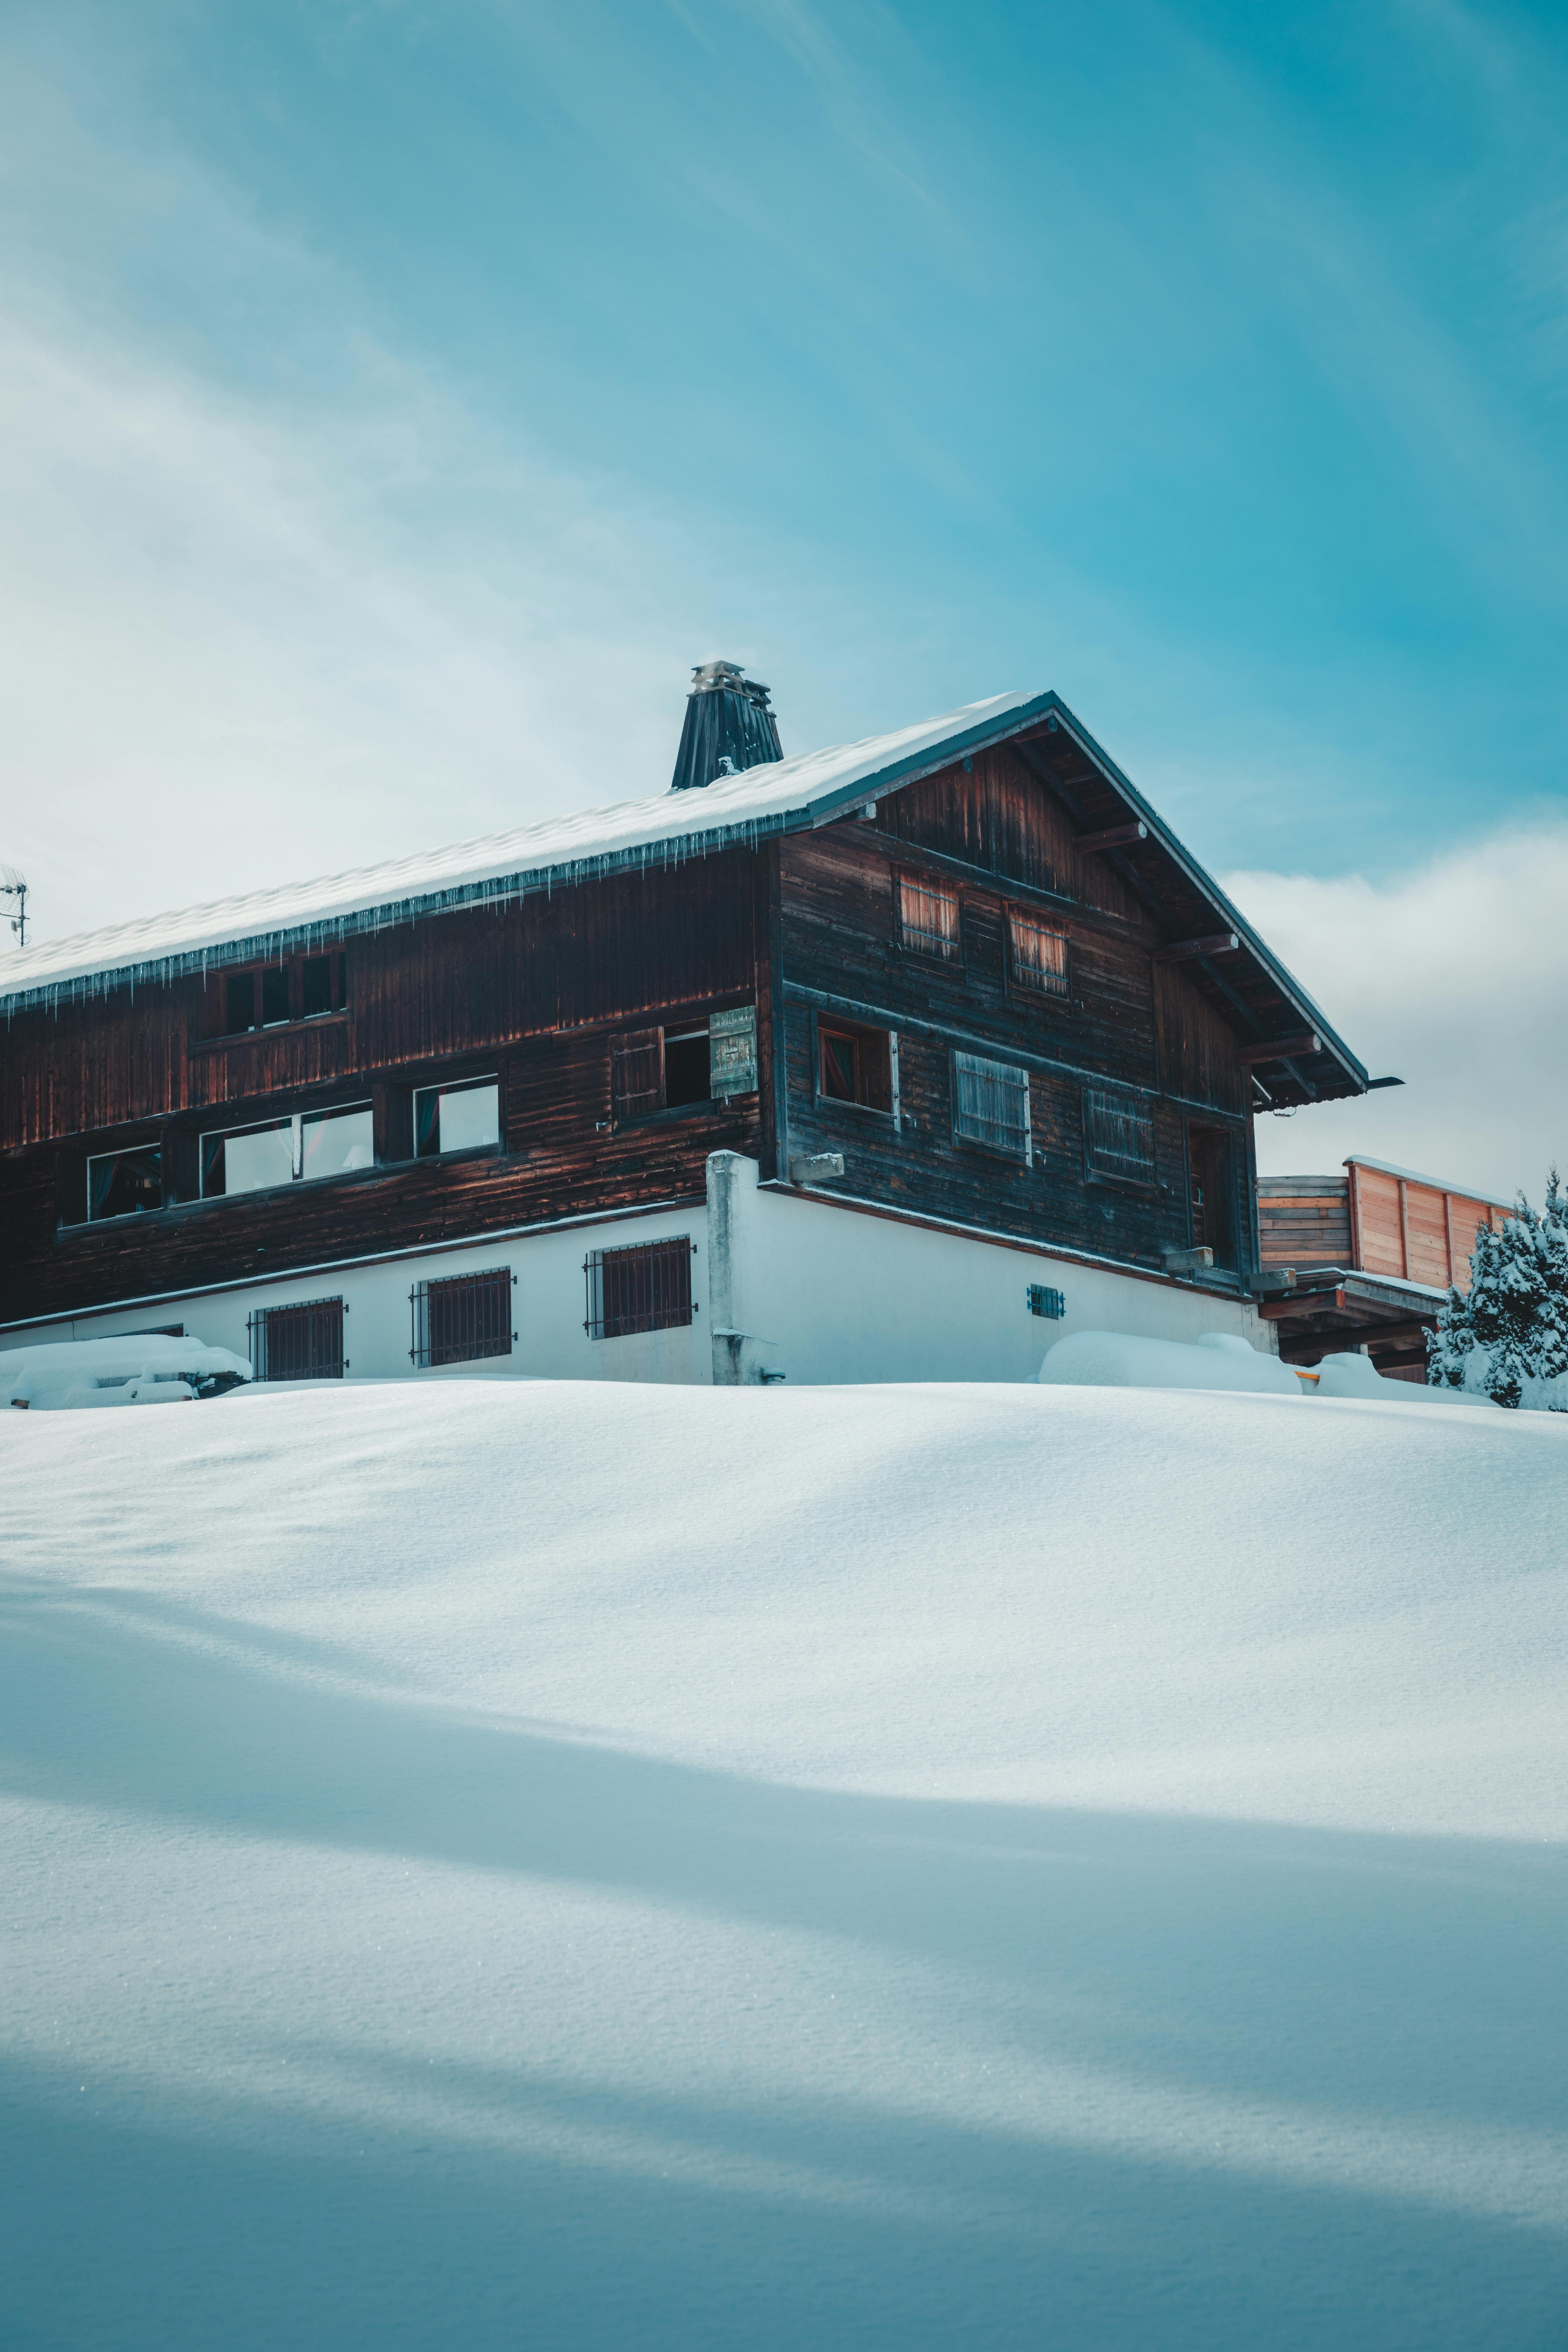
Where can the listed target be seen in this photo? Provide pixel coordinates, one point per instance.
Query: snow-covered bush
(1507, 1340)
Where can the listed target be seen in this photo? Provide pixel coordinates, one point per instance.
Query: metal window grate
(1039, 956)
(991, 1105)
(645, 1289)
(462, 1318)
(298, 1343)
(1118, 1138)
(1052, 1303)
(928, 921)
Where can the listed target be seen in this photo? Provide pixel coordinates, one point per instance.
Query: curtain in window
(1039, 956)
(928, 919)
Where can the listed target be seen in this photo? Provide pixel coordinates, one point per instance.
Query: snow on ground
(517, 1863)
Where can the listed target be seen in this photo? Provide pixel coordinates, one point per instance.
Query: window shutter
(1118, 1138)
(732, 1051)
(991, 1105)
(637, 1074)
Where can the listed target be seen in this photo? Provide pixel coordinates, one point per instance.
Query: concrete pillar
(731, 1188)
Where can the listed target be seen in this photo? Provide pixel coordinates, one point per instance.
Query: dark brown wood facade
(545, 990)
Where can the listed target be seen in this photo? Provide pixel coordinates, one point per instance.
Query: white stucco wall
(824, 1293)
(833, 1293)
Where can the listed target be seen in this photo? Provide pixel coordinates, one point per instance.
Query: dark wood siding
(537, 991)
(1126, 1022)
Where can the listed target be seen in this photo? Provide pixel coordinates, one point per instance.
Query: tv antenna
(15, 885)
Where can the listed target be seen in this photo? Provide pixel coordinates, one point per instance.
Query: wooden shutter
(637, 1074)
(1118, 1138)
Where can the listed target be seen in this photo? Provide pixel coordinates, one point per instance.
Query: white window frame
(295, 1120)
(459, 1087)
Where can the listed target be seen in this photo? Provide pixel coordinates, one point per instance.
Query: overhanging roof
(1260, 999)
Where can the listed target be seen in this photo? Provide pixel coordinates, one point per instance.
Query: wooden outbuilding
(1365, 1260)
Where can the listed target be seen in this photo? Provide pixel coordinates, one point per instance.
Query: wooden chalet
(977, 1038)
(1365, 1260)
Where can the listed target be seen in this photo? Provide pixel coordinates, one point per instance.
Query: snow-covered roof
(774, 798)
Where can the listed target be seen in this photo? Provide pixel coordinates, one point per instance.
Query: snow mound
(146, 1368)
(580, 1866)
(1111, 1360)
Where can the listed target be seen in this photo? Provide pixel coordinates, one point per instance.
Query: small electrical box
(1049, 1302)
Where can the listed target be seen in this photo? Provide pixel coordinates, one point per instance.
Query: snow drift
(576, 1865)
(146, 1368)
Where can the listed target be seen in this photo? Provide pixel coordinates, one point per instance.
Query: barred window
(1038, 956)
(991, 1106)
(298, 1343)
(462, 1318)
(928, 919)
(644, 1288)
(1118, 1138)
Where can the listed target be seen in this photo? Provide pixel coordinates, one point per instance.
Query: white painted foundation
(822, 1293)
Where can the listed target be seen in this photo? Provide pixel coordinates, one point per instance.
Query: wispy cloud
(1454, 977)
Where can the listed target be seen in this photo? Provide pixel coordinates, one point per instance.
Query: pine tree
(1552, 1351)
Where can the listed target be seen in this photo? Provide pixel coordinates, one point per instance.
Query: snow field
(516, 1862)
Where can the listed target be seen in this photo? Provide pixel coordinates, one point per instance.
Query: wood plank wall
(1413, 1230)
(536, 992)
(1374, 1222)
(995, 836)
(1303, 1221)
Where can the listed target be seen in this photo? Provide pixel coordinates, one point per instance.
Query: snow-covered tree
(1511, 1331)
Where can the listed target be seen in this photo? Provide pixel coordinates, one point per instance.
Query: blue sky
(401, 397)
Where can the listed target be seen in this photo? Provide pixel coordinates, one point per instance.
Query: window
(645, 1289)
(456, 1118)
(298, 1343)
(287, 1150)
(1209, 1191)
(123, 1184)
(1038, 958)
(928, 919)
(991, 1106)
(857, 1066)
(462, 1319)
(685, 1066)
(681, 1067)
(1043, 1300)
(1117, 1139)
(302, 989)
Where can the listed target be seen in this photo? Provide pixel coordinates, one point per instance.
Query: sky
(397, 399)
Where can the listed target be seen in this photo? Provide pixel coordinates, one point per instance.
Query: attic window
(273, 994)
(928, 919)
(857, 1065)
(1037, 958)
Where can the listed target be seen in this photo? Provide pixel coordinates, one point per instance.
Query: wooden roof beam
(1114, 836)
(1281, 1049)
(1183, 950)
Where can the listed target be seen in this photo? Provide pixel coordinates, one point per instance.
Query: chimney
(729, 727)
